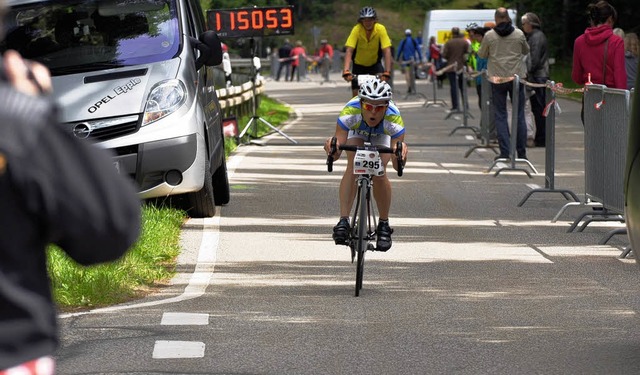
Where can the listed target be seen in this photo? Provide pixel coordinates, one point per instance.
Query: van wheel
(201, 203)
(221, 193)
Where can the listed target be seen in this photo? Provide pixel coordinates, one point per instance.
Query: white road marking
(533, 186)
(184, 319)
(178, 349)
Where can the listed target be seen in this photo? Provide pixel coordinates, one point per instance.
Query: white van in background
(136, 77)
(438, 23)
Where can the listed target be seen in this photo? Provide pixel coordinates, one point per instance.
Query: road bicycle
(325, 67)
(366, 164)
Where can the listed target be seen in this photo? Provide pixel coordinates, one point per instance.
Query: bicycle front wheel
(361, 243)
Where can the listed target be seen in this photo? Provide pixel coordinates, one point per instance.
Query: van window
(78, 36)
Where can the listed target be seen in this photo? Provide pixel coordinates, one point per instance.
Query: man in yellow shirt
(367, 43)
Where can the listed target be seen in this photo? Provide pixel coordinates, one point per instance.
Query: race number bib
(368, 162)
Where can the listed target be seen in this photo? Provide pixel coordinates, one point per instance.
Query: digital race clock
(250, 22)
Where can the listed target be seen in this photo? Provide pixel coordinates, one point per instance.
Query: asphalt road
(473, 284)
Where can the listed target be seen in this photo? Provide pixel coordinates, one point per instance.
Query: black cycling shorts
(359, 69)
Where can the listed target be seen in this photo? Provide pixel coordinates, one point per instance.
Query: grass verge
(148, 264)
(271, 110)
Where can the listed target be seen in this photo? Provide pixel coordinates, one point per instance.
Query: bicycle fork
(371, 220)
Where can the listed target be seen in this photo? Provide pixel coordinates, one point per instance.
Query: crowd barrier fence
(512, 163)
(606, 128)
(487, 128)
(607, 114)
(606, 124)
(550, 150)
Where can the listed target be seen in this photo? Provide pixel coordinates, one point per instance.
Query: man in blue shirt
(408, 55)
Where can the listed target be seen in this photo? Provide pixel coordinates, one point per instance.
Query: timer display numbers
(250, 22)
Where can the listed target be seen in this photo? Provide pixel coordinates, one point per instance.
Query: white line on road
(178, 349)
(184, 319)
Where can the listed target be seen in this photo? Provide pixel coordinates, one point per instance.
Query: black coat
(54, 189)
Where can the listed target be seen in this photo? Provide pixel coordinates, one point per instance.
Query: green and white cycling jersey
(351, 119)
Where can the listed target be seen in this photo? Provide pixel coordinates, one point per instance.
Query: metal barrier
(513, 137)
(434, 81)
(487, 117)
(607, 137)
(463, 97)
(411, 89)
(606, 124)
(550, 150)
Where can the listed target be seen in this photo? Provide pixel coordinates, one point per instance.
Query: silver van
(137, 77)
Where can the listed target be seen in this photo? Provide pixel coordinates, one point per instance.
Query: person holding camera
(54, 189)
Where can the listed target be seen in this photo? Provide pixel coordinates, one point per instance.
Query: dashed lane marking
(165, 349)
(184, 319)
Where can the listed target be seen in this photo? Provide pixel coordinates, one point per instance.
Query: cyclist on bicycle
(325, 57)
(409, 53)
(326, 50)
(369, 117)
(367, 43)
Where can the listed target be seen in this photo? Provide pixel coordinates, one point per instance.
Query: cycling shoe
(341, 232)
(383, 242)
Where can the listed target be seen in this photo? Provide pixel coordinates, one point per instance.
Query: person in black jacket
(284, 57)
(54, 189)
(537, 72)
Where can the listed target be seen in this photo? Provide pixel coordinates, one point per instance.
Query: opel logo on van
(82, 130)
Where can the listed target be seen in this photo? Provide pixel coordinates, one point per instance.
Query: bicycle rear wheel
(361, 243)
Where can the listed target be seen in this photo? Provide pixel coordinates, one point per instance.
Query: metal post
(465, 109)
(550, 151)
(515, 100)
(412, 82)
(435, 102)
(486, 110)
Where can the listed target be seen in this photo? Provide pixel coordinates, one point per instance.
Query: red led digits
(243, 20)
(249, 22)
(272, 18)
(287, 18)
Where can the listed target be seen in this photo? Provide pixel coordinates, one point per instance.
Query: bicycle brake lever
(399, 158)
(330, 156)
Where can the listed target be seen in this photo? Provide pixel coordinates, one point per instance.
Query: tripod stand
(253, 122)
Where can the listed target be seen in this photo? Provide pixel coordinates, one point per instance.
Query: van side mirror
(210, 49)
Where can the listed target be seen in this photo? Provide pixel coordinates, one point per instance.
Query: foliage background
(563, 20)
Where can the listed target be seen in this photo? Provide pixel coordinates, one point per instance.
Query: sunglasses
(374, 107)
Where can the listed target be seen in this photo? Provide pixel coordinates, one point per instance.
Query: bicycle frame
(363, 199)
(363, 224)
(364, 219)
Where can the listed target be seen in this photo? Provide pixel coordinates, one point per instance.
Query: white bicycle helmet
(367, 12)
(375, 89)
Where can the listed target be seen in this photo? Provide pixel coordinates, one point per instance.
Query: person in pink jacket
(592, 44)
(298, 52)
(589, 50)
